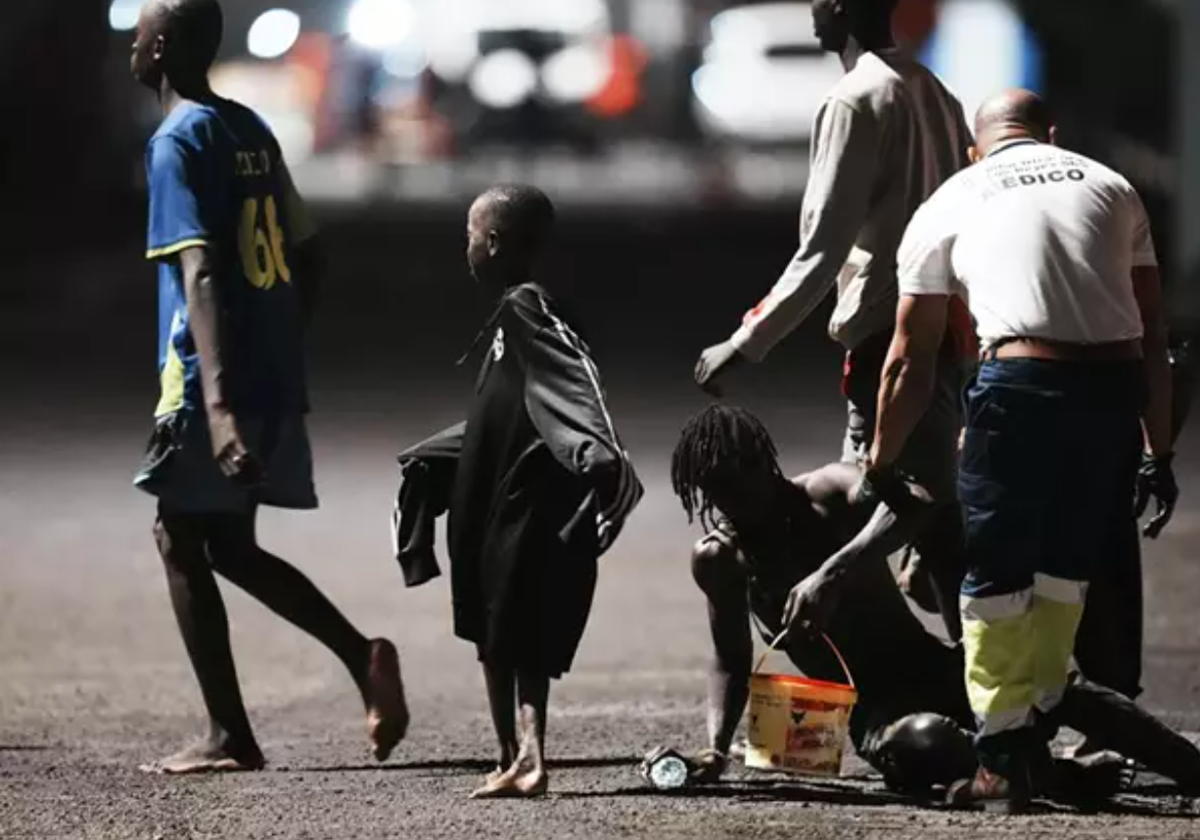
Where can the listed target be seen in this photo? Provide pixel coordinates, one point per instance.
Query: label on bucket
(797, 728)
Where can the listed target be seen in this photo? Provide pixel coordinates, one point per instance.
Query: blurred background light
(273, 33)
(504, 79)
(981, 47)
(405, 62)
(381, 24)
(123, 14)
(763, 75)
(576, 73)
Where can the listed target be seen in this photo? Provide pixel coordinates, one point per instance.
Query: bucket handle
(837, 653)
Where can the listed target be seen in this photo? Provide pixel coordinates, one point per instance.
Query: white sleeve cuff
(753, 347)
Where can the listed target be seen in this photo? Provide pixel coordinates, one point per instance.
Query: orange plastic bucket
(798, 725)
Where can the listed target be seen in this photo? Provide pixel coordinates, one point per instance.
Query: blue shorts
(179, 467)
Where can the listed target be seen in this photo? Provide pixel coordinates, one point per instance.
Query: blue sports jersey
(217, 179)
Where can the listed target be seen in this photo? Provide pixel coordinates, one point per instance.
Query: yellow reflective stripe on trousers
(1001, 668)
(1057, 610)
(1018, 649)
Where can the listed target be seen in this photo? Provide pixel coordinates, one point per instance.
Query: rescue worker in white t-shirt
(887, 135)
(1052, 251)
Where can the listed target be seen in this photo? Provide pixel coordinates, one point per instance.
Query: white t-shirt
(1039, 241)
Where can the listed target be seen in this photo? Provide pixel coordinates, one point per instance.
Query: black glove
(1156, 479)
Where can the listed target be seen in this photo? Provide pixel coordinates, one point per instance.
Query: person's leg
(502, 701)
(533, 696)
(374, 665)
(931, 457)
(1107, 717)
(861, 369)
(526, 776)
(1005, 492)
(200, 613)
(1108, 648)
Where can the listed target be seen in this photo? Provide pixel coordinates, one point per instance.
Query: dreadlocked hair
(721, 440)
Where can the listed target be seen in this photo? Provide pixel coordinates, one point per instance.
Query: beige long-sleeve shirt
(887, 136)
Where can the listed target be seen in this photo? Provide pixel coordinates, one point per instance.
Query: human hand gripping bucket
(798, 725)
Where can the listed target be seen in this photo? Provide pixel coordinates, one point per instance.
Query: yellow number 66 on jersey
(262, 250)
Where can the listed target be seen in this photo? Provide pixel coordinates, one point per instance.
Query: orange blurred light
(623, 91)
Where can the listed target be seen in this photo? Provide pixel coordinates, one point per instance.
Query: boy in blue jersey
(236, 259)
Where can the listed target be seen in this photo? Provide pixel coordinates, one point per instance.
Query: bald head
(1012, 115)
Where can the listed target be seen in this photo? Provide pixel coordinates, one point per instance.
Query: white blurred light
(451, 56)
(576, 73)
(381, 24)
(405, 63)
(504, 79)
(661, 25)
(979, 48)
(273, 33)
(742, 90)
(123, 14)
(572, 17)
(581, 16)
(754, 29)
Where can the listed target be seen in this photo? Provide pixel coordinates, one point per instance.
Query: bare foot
(517, 782)
(206, 757)
(387, 710)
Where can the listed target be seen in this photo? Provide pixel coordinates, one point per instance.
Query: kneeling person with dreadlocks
(542, 487)
(811, 552)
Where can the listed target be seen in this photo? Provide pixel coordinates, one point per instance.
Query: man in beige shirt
(886, 137)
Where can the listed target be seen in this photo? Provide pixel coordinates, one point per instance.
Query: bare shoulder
(830, 480)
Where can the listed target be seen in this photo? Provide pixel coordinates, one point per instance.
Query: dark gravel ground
(93, 678)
